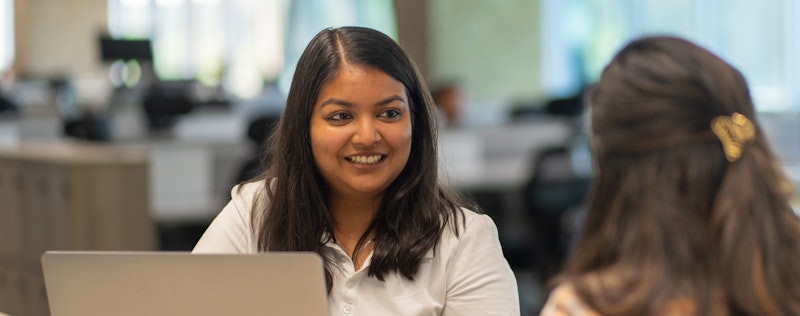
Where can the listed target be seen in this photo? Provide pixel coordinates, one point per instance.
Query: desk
(493, 165)
(498, 158)
(190, 179)
(192, 165)
(66, 195)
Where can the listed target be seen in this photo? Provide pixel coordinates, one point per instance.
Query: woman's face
(361, 131)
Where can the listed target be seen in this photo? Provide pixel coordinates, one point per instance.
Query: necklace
(366, 244)
(362, 248)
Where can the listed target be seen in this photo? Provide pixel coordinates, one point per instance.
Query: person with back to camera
(690, 212)
(353, 177)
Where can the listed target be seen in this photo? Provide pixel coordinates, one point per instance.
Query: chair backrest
(554, 196)
(555, 186)
(258, 132)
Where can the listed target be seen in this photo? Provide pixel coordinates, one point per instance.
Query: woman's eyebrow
(335, 101)
(390, 100)
(384, 102)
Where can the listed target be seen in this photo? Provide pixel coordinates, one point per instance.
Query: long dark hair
(415, 209)
(671, 220)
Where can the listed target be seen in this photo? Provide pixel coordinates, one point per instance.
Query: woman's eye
(339, 116)
(390, 114)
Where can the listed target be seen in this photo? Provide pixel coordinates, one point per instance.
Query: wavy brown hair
(416, 208)
(671, 222)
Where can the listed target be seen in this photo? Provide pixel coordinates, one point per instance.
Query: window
(6, 34)
(237, 43)
(758, 37)
(308, 17)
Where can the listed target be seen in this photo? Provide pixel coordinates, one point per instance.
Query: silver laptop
(180, 283)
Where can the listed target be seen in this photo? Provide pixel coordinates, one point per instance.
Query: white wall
(491, 47)
(59, 37)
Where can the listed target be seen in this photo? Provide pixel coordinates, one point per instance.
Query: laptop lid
(181, 283)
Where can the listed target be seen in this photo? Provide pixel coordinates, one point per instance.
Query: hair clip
(733, 132)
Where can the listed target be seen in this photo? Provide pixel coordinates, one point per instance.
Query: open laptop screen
(180, 283)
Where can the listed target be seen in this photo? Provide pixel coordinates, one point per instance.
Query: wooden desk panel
(67, 196)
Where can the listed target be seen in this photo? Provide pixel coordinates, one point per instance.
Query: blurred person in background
(449, 99)
(689, 213)
(7, 105)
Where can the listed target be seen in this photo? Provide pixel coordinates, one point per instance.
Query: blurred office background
(129, 121)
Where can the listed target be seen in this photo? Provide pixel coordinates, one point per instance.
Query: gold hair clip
(733, 132)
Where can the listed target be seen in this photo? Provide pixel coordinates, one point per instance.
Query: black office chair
(165, 101)
(556, 192)
(8, 106)
(258, 132)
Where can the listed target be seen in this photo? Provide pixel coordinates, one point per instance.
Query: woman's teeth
(365, 159)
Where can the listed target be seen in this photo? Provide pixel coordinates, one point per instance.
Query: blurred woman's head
(680, 209)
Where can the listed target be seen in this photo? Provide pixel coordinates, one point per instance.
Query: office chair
(555, 193)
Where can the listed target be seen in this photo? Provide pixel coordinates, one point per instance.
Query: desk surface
(75, 152)
(500, 157)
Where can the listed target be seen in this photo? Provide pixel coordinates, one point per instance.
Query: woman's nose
(367, 133)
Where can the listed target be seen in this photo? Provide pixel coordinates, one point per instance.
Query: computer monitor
(126, 49)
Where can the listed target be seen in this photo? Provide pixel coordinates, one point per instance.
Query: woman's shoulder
(564, 301)
(247, 189)
(472, 218)
(245, 197)
(470, 214)
(462, 219)
(230, 231)
(467, 225)
(248, 192)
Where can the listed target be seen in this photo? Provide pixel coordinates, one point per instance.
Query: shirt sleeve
(230, 231)
(479, 279)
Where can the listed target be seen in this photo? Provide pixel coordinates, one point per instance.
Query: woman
(353, 177)
(690, 212)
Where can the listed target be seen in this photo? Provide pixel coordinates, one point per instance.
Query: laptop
(181, 283)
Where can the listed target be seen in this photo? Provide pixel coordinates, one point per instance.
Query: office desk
(493, 166)
(498, 158)
(66, 195)
(192, 164)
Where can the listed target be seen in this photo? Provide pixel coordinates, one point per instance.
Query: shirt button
(350, 284)
(347, 309)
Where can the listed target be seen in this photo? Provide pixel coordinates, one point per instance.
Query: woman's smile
(361, 131)
(365, 159)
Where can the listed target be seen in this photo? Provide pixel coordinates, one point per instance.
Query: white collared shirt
(466, 275)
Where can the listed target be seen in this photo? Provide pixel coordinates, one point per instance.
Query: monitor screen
(114, 49)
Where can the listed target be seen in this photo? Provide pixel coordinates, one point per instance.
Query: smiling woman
(353, 176)
(361, 138)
